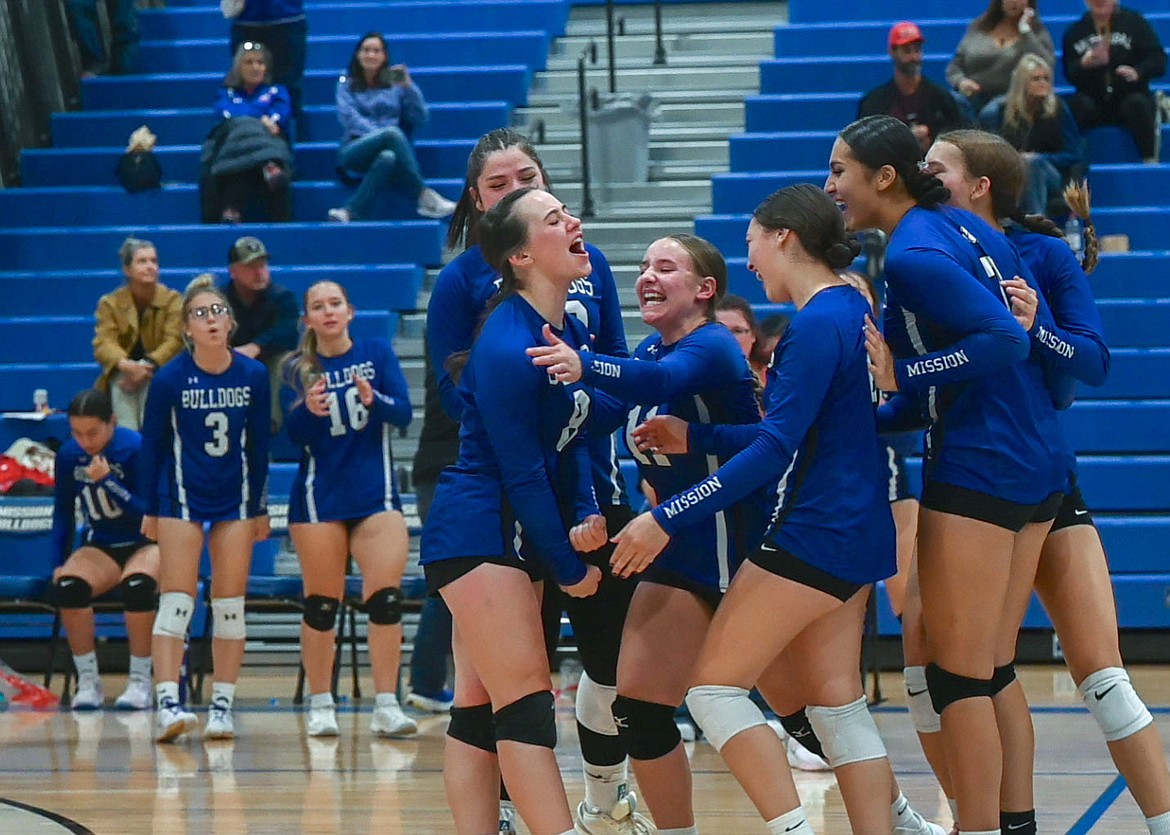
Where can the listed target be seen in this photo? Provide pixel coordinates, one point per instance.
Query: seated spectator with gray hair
(138, 329)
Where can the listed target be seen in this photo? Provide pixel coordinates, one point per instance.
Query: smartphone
(397, 75)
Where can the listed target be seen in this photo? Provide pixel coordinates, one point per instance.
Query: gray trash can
(619, 139)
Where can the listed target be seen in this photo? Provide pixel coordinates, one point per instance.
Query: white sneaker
(219, 720)
(89, 695)
(431, 704)
(507, 818)
(341, 215)
(803, 759)
(622, 819)
(919, 826)
(172, 721)
(434, 205)
(389, 720)
(136, 696)
(323, 721)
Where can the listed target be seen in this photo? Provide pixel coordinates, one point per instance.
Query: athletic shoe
(172, 721)
(389, 720)
(507, 817)
(919, 826)
(622, 819)
(803, 759)
(323, 721)
(136, 696)
(219, 720)
(340, 215)
(89, 695)
(434, 205)
(439, 703)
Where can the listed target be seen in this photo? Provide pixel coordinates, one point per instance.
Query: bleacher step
(730, 81)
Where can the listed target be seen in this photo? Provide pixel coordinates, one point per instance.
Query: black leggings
(236, 191)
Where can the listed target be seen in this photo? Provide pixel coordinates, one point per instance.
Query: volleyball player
(985, 175)
(502, 162)
(522, 459)
(830, 535)
(99, 467)
(992, 484)
(346, 396)
(205, 462)
(694, 369)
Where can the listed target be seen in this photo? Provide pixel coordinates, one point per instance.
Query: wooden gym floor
(102, 773)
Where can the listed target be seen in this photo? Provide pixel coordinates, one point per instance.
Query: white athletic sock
(790, 823)
(901, 810)
(603, 785)
(979, 832)
(385, 699)
(686, 830)
(220, 690)
(166, 691)
(954, 804)
(140, 667)
(321, 700)
(1159, 824)
(86, 665)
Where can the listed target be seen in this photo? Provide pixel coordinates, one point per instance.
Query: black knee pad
(73, 592)
(800, 729)
(946, 687)
(320, 612)
(140, 593)
(1001, 677)
(531, 720)
(647, 728)
(474, 726)
(385, 606)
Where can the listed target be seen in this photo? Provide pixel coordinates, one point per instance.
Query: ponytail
(1078, 198)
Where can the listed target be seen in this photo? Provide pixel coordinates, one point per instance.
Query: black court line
(71, 825)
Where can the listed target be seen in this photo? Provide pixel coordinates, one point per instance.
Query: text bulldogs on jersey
(221, 398)
(345, 376)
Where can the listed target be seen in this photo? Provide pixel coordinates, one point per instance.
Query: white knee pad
(228, 615)
(174, 614)
(926, 719)
(595, 706)
(1114, 703)
(847, 733)
(722, 712)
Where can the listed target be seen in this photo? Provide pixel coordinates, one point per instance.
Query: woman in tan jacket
(137, 330)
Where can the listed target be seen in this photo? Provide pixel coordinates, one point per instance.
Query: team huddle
(770, 491)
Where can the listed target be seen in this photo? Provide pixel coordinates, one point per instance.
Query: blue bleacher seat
(814, 11)
(1112, 426)
(18, 381)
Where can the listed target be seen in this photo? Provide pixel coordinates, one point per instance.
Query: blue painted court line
(1100, 806)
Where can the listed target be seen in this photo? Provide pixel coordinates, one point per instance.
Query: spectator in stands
(925, 106)
(265, 313)
(248, 152)
(282, 27)
(87, 32)
(1110, 56)
(993, 45)
(380, 107)
(1041, 127)
(736, 314)
(138, 329)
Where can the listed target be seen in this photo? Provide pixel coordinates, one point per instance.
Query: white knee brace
(228, 615)
(926, 720)
(847, 733)
(174, 614)
(722, 712)
(1114, 703)
(595, 706)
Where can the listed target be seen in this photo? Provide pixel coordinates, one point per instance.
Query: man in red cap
(925, 106)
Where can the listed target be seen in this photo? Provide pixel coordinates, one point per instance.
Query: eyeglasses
(215, 310)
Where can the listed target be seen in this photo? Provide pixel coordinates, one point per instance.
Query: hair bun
(203, 281)
(840, 254)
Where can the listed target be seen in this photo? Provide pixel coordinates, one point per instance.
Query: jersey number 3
(217, 422)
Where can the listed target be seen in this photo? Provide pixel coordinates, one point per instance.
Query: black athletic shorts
(677, 580)
(783, 564)
(1073, 511)
(444, 572)
(972, 504)
(121, 554)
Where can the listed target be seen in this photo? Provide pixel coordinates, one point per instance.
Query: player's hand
(557, 358)
(1025, 301)
(881, 360)
(149, 528)
(317, 399)
(261, 529)
(638, 543)
(365, 391)
(663, 435)
(1128, 73)
(587, 587)
(98, 468)
(589, 534)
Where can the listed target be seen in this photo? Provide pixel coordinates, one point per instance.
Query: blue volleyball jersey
(817, 449)
(960, 358)
(347, 462)
(205, 441)
(702, 378)
(523, 456)
(461, 293)
(111, 508)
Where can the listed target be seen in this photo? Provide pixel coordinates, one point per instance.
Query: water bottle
(1073, 235)
(41, 400)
